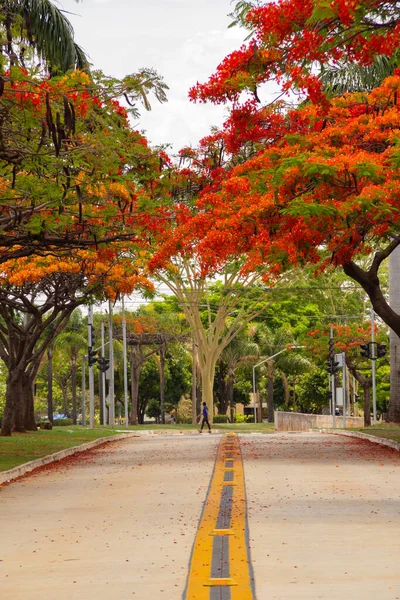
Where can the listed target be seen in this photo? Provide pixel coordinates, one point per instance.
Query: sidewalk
(120, 524)
(324, 517)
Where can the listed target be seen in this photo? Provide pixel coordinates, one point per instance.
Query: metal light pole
(103, 377)
(125, 364)
(83, 392)
(333, 388)
(254, 374)
(344, 387)
(91, 370)
(111, 350)
(373, 365)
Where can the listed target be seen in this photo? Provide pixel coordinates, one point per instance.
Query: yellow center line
(200, 579)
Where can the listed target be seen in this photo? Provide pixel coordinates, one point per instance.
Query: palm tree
(239, 352)
(272, 342)
(37, 28)
(70, 344)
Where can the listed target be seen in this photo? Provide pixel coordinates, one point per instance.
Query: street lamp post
(254, 374)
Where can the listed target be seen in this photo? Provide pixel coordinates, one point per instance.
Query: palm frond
(341, 79)
(49, 31)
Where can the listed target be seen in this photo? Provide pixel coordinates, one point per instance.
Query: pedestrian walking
(205, 418)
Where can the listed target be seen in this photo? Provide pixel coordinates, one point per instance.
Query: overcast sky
(184, 40)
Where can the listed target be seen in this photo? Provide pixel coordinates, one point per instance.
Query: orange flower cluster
(335, 187)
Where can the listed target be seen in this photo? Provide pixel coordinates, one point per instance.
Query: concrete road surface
(120, 522)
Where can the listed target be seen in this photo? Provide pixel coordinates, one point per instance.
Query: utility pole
(373, 365)
(344, 385)
(91, 365)
(125, 364)
(83, 392)
(333, 383)
(111, 355)
(103, 378)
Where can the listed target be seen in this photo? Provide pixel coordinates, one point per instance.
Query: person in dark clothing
(205, 418)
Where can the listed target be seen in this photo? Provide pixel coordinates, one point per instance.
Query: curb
(7, 476)
(365, 436)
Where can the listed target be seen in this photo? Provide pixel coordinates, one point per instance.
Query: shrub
(221, 419)
(244, 418)
(62, 422)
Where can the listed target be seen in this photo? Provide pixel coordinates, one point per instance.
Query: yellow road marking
(200, 579)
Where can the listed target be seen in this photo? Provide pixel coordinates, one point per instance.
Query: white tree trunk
(207, 385)
(394, 301)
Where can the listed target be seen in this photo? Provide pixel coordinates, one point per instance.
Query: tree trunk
(271, 374)
(50, 352)
(11, 410)
(286, 389)
(19, 411)
(394, 301)
(73, 386)
(64, 392)
(162, 382)
(207, 383)
(142, 411)
(135, 374)
(29, 400)
(229, 392)
(194, 384)
(367, 404)
(294, 395)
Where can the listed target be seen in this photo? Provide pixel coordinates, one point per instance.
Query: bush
(62, 422)
(221, 419)
(244, 418)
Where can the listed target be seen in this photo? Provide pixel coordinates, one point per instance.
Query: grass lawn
(24, 447)
(389, 431)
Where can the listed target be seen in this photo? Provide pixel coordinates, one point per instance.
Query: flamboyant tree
(37, 297)
(327, 193)
(73, 171)
(307, 198)
(293, 41)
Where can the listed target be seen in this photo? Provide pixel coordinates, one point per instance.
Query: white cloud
(183, 39)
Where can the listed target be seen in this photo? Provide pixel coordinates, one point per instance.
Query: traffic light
(365, 350)
(381, 350)
(331, 349)
(332, 366)
(329, 367)
(104, 364)
(91, 357)
(335, 367)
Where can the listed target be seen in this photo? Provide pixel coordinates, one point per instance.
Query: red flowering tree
(37, 297)
(294, 40)
(326, 192)
(73, 171)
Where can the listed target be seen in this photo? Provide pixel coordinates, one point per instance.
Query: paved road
(324, 516)
(323, 513)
